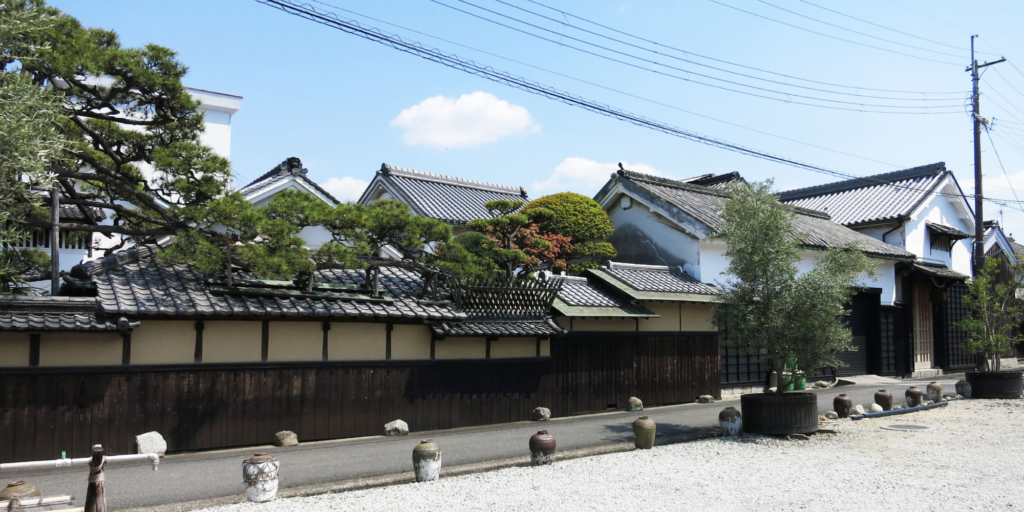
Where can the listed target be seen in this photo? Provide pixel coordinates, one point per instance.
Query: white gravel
(973, 459)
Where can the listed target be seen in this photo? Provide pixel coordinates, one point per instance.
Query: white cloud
(576, 174)
(472, 120)
(345, 189)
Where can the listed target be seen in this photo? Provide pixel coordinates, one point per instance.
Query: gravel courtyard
(973, 459)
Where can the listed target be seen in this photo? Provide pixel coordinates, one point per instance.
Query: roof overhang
(632, 311)
(635, 294)
(302, 184)
(616, 188)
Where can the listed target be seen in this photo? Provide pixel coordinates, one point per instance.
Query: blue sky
(344, 105)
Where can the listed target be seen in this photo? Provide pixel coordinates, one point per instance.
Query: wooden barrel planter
(996, 384)
(789, 413)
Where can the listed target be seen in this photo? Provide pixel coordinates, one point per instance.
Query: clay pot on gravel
(20, 489)
(426, 461)
(644, 431)
(260, 475)
(934, 392)
(884, 399)
(542, 448)
(914, 396)
(842, 404)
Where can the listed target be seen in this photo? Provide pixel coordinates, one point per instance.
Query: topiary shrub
(582, 220)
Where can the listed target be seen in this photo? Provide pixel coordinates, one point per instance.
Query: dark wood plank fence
(46, 411)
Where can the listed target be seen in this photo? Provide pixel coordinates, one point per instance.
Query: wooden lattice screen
(523, 298)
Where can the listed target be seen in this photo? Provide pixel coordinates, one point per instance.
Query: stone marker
(151, 442)
(832, 415)
(635, 404)
(541, 414)
(876, 408)
(705, 399)
(963, 388)
(857, 410)
(286, 438)
(730, 421)
(396, 428)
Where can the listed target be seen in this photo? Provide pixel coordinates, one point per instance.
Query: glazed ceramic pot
(884, 398)
(542, 448)
(260, 475)
(426, 461)
(842, 404)
(915, 397)
(644, 431)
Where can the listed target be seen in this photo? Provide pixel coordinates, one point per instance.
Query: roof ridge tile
(388, 169)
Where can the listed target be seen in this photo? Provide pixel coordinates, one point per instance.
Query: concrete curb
(408, 477)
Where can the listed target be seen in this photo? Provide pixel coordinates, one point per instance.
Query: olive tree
(771, 310)
(995, 308)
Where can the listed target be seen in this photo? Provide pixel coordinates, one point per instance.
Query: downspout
(900, 220)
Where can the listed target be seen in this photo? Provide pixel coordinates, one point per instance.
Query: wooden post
(95, 501)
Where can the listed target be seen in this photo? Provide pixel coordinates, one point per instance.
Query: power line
(831, 36)
(990, 86)
(688, 61)
(685, 79)
(1008, 81)
(1000, 160)
(610, 89)
(1001, 107)
(883, 26)
(857, 32)
(688, 52)
(352, 27)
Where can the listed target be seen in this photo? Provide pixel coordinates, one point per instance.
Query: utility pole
(979, 216)
(54, 240)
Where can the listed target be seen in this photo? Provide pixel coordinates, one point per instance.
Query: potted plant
(995, 308)
(771, 310)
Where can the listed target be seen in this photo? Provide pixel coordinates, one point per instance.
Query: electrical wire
(688, 61)
(688, 52)
(606, 88)
(831, 36)
(883, 26)
(352, 27)
(993, 89)
(1000, 106)
(1008, 82)
(1000, 160)
(688, 72)
(856, 32)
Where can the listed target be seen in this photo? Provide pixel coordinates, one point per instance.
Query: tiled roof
(717, 182)
(52, 314)
(453, 200)
(939, 272)
(73, 212)
(657, 278)
(877, 198)
(291, 167)
(950, 231)
(133, 283)
(498, 328)
(581, 298)
(704, 206)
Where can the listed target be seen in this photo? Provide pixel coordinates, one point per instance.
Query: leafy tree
(585, 223)
(768, 310)
(134, 132)
(30, 144)
(995, 309)
(517, 243)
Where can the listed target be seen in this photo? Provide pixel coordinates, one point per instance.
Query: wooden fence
(44, 412)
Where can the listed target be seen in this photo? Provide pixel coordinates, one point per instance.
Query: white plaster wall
(217, 132)
(714, 263)
(941, 209)
(667, 244)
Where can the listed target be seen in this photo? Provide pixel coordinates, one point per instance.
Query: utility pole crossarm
(969, 68)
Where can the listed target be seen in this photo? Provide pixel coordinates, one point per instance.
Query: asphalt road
(197, 476)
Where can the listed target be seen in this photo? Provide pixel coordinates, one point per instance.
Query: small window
(941, 243)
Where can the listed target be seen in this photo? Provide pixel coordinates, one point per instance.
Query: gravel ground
(971, 460)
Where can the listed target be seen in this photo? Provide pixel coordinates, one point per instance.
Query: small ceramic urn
(934, 390)
(884, 399)
(260, 475)
(915, 397)
(426, 461)
(842, 405)
(542, 448)
(644, 431)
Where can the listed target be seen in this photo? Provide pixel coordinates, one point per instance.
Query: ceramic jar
(915, 397)
(542, 448)
(842, 405)
(644, 431)
(884, 399)
(426, 461)
(260, 475)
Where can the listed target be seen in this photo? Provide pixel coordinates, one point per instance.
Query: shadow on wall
(636, 247)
